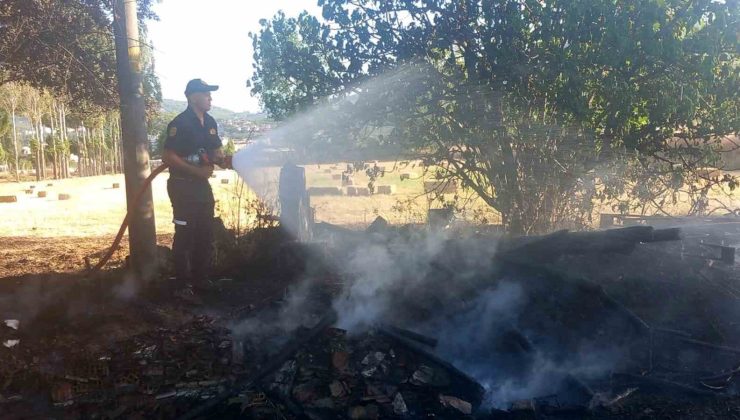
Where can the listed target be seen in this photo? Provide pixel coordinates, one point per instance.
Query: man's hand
(204, 171)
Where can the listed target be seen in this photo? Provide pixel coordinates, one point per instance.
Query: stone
(63, 197)
(41, 194)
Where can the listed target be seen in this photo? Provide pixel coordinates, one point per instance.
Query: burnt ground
(161, 355)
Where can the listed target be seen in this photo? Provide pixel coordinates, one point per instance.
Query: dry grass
(96, 210)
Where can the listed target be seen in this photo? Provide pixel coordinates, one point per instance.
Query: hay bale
(386, 189)
(336, 177)
(224, 181)
(116, 185)
(63, 197)
(441, 187)
(709, 172)
(324, 191)
(363, 191)
(8, 199)
(41, 194)
(407, 175)
(352, 191)
(347, 182)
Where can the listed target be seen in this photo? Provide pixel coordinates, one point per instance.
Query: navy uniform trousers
(193, 211)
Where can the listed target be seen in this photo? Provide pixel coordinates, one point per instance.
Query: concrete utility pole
(142, 233)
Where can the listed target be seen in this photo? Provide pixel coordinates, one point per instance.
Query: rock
(456, 403)
(41, 194)
(63, 197)
(399, 405)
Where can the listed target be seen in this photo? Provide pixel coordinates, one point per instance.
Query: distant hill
(175, 106)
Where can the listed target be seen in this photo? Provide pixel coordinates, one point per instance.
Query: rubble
(403, 366)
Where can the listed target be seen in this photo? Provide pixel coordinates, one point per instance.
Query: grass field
(96, 209)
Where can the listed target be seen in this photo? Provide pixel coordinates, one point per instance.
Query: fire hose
(225, 163)
(137, 197)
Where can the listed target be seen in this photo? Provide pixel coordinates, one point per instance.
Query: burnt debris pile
(404, 322)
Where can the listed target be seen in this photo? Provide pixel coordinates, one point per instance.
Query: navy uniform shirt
(188, 139)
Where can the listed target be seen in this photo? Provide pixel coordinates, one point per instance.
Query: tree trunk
(42, 149)
(54, 164)
(15, 147)
(142, 232)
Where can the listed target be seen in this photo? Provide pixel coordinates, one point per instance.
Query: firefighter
(191, 150)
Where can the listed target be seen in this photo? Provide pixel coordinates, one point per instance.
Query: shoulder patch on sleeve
(213, 131)
(172, 132)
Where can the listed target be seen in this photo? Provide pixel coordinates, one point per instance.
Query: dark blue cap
(198, 85)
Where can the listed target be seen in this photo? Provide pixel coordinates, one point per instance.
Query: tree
(64, 46)
(540, 108)
(10, 99)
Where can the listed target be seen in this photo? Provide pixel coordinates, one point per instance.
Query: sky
(208, 39)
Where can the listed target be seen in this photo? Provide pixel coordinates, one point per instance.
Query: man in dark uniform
(191, 150)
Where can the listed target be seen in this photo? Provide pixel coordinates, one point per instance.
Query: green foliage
(540, 108)
(66, 47)
(230, 148)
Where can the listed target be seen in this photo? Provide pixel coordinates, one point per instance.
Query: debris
(12, 323)
(337, 389)
(456, 403)
(399, 405)
(11, 343)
